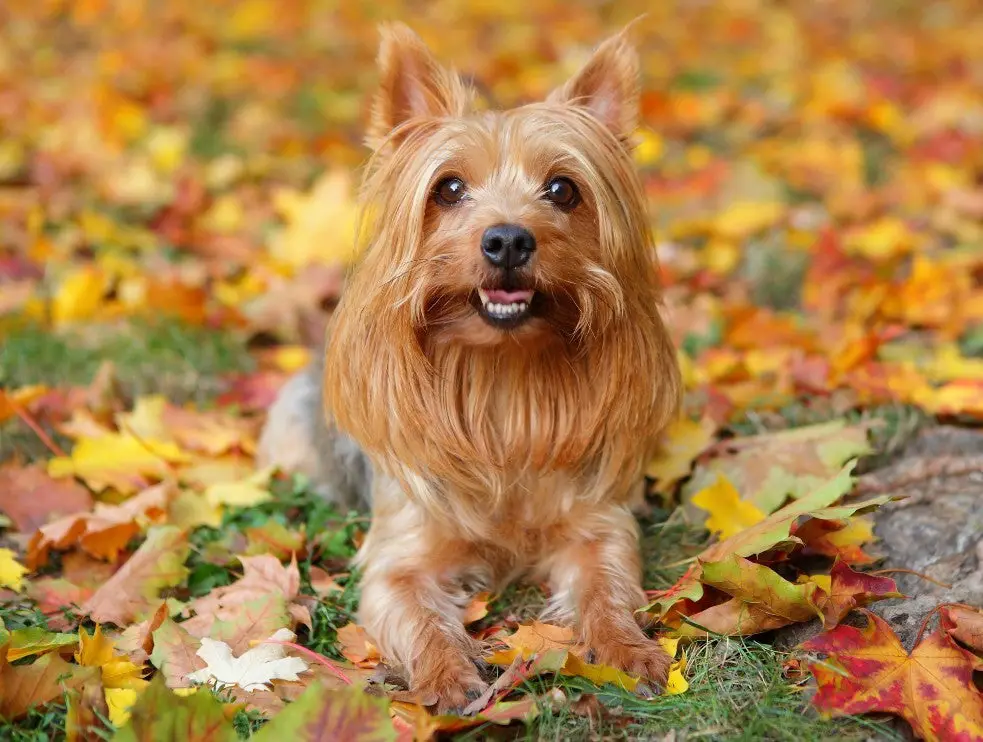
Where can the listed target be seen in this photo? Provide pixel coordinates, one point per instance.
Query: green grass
(180, 361)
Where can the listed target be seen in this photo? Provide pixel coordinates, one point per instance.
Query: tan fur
(501, 452)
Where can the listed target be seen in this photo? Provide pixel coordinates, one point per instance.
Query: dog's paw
(453, 685)
(641, 657)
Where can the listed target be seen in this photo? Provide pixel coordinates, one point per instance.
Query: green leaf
(36, 640)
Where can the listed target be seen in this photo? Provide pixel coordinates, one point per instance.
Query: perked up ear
(607, 86)
(412, 85)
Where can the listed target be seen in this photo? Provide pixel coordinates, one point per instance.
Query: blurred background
(814, 172)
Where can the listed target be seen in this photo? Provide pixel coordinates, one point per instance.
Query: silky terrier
(497, 373)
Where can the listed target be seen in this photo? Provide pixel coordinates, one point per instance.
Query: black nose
(508, 245)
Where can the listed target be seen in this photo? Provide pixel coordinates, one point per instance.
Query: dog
(497, 372)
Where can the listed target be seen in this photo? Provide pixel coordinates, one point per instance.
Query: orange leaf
(850, 589)
(964, 624)
(357, 647)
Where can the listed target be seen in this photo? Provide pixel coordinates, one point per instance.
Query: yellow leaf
(120, 701)
(683, 441)
(121, 673)
(650, 147)
(728, 513)
(13, 399)
(146, 420)
(883, 239)
(11, 571)
(858, 531)
(79, 296)
(95, 650)
(949, 364)
(225, 216)
(167, 147)
(320, 226)
(677, 682)
(189, 509)
(825, 582)
(244, 493)
(743, 219)
(119, 461)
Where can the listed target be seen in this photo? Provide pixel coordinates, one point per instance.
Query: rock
(937, 530)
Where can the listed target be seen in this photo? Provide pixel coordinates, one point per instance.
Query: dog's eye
(449, 191)
(563, 193)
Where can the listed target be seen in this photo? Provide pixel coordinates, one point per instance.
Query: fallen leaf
(35, 641)
(769, 468)
(246, 493)
(774, 532)
(840, 539)
(175, 653)
(134, 591)
(683, 441)
(11, 571)
(254, 669)
(850, 589)
(356, 646)
(341, 714)
(31, 498)
(118, 461)
(761, 600)
(23, 687)
(868, 670)
(965, 624)
(477, 609)
(160, 714)
(729, 514)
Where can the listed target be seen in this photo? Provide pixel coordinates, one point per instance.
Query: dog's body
(500, 358)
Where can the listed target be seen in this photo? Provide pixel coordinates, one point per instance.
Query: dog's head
(511, 226)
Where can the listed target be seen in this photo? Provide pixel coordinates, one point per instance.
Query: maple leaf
(175, 653)
(728, 513)
(253, 490)
(118, 461)
(841, 539)
(104, 531)
(766, 469)
(11, 571)
(31, 498)
(356, 646)
(687, 587)
(252, 607)
(321, 714)
(965, 624)
(868, 670)
(134, 590)
(849, 589)
(13, 400)
(35, 641)
(775, 530)
(254, 669)
(683, 441)
(160, 714)
(23, 687)
(761, 600)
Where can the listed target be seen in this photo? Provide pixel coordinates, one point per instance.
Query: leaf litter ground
(176, 244)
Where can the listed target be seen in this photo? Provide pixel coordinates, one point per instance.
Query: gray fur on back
(298, 439)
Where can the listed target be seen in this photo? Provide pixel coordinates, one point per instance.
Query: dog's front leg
(596, 583)
(413, 600)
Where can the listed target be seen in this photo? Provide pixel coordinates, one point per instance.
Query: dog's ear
(412, 85)
(607, 86)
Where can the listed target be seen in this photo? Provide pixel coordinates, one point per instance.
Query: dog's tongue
(501, 296)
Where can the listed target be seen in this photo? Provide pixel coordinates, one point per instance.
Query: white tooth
(495, 308)
(483, 296)
(522, 306)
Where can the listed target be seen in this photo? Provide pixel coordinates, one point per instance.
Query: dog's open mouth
(505, 309)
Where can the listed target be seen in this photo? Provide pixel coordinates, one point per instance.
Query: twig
(320, 659)
(925, 577)
(29, 421)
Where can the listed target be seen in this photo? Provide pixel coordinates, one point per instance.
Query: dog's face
(514, 226)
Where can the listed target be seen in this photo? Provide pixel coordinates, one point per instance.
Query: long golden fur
(499, 452)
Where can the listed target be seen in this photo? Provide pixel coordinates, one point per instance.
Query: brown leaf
(31, 498)
(137, 640)
(965, 624)
(134, 591)
(174, 653)
(23, 687)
